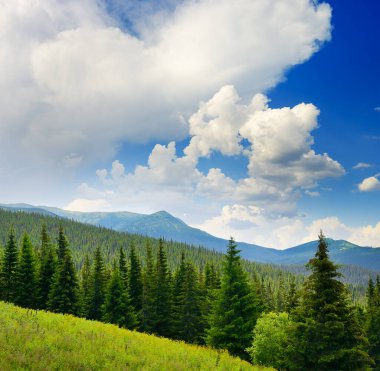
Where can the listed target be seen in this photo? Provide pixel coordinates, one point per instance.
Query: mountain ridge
(163, 224)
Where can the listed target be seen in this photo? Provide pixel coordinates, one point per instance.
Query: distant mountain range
(163, 224)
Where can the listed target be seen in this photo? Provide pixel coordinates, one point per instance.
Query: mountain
(163, 224)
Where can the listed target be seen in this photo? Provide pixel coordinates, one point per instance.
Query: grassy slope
(40, 340)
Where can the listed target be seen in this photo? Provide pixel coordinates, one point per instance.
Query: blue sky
(244, 118)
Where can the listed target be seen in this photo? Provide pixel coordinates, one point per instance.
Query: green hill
(38, 340)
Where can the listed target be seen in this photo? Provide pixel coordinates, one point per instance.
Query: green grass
(38, 340)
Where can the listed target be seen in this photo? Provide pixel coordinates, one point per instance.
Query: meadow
(39, 340)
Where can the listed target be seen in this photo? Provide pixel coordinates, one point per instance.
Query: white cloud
(362, 165)
(369, 184)
(312, 193)
(285, 232)
(85, 205)
(295, 167)
(377, 109)
(74, 85)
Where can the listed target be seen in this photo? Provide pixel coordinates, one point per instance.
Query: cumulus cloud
(285, 232)
(86, 205)
(370, 184)
(362, 165)
(75, 83)
(265, 132)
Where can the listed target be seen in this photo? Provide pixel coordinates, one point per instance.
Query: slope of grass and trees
(312, 324)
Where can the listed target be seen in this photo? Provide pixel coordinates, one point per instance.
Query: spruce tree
(85, 285)
(62, 245)
(163, 298)
(235, 309)
(27, 287)
(123, 269)
(373, 320)
(97, 288)
(117, 307)
(179, 279)
(292, 297)
(135, 282)
(63, 297)
(9, 268)
(148, 312)
(47, 269)
(327, 334)
(192, 323)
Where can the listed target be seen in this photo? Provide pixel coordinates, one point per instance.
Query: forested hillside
(84, 239)
(276, 319)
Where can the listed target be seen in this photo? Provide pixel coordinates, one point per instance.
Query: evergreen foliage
(327, 334)
(27, 286)
(372, 324)
(47, 269)
(235, 309)
(9, 268)
(63, 297)
(163, 298)
(118, 308)
(135, 282)
(97, 290)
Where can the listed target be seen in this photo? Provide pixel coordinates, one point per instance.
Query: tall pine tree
(97, 288)
(135, 281)
(9, 268)
(47, 269)
(163, 298)
(327, 334)
(27, 287)
(235, 310)
(64, 294)
(117, 307)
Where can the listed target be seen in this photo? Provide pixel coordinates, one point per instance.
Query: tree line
(312, 327)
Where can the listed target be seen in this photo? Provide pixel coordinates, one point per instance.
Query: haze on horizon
(252, 119)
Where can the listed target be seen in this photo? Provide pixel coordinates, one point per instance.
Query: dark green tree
(27, 287)
(292, 297)
(85, 285)
(135, 282)
(8, 280)
(163, 299)
(123, 269)
(118, 308)
(63, 297)
(97, 288)
(62, 245)
(47, 269)
(327, 334)
(235, 310)
(192, 321)
(373, 320)
(148, 312)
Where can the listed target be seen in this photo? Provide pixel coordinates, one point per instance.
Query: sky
(245, 118)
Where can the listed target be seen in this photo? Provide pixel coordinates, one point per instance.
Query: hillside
(163, 224)
(40, 340)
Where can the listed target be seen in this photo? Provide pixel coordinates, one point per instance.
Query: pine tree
(123, 269)
(27, 288)
(63, 297)
(85, 285)
(179, 279)
(9, 268)
(97, 288)
(235, 310)
(135, 282)
(118, 308)
(163, 298)
(292, 297)
(327, 335)
(192, 324)
(47, 269)
(373, 320)
(148, 312)
(62, 245)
